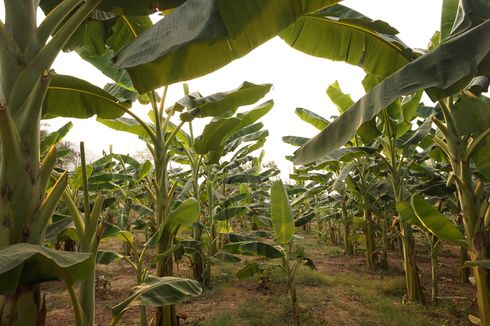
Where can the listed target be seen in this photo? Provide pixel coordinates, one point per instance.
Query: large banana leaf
(184, 215)
(157, 292)
(203, 35)
(463, 56)
(128, 125)
(342, 34)
(255, 114)
(128, 7)
(281, 213)
(312, 118)
(448, 13)
(254, 248)
(214, 134)
(26, 264)
(368, 130)
(230, 212)
(436, 223)
(71, 97)
(225, 103)
(54, 137)
(295, 140)
(406, 212)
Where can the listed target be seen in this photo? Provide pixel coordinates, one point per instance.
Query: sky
(298, 80)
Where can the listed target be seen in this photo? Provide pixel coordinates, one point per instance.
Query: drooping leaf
(157, 292)
(208, 34)
(226, 257)
(55, 137)
(230, 212)
(295, 140)
(312, 118)
(434, 69)
(249, 271)
(214, 134)
(262, 221)
(304, 219)
(352, 37)
(448, 14)
(184, 215)
(25, 264)
(471, 115)
(244, 178)
(281, 213)
(105, 257)
(71, 97)
(255, 114)
(225, 103)
(436, 222)
(254, 248)
(406, 212)
(127, 125)
(481, 157)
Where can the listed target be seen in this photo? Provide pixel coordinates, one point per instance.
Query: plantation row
(386, 171)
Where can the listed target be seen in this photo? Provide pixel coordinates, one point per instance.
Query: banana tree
(422, 73)
(284, 226)
(464, 140)
(222, 136)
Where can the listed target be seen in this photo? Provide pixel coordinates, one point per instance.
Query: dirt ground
(340, 292)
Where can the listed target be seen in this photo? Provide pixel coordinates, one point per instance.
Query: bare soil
(340, 292)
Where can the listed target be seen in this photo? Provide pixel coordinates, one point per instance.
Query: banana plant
(222, 136)
(464, 139)
(439, 80)
(284, 226)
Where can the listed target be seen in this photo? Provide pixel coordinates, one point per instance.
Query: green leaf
(249, 271)
(70, 97)
(256, 136)
(262, 221)
(225, 103)
(352, 37)
(230, 212)
(254, 248)
(436, 68)
(214, 134)
(184, 215)
(281, 213)
(118, 7)
(304, 219)
(471, 115)
(437, 223)
(340, 99)
(105, 257)
(295, 140)
(27, 264)
(448, 14)
(419, 134)
(209, 34)
(235, 199)
(481, 157)
(312, 118)
(226, 257)
(406, 212)
(55, 137)
(157, 292)
(255, 114)
(127, 125)
(244, 178)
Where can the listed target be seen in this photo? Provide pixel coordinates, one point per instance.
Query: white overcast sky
(299, 80)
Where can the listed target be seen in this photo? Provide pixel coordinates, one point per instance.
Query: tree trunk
(369, 240)
(412, 278)
(348, 246)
